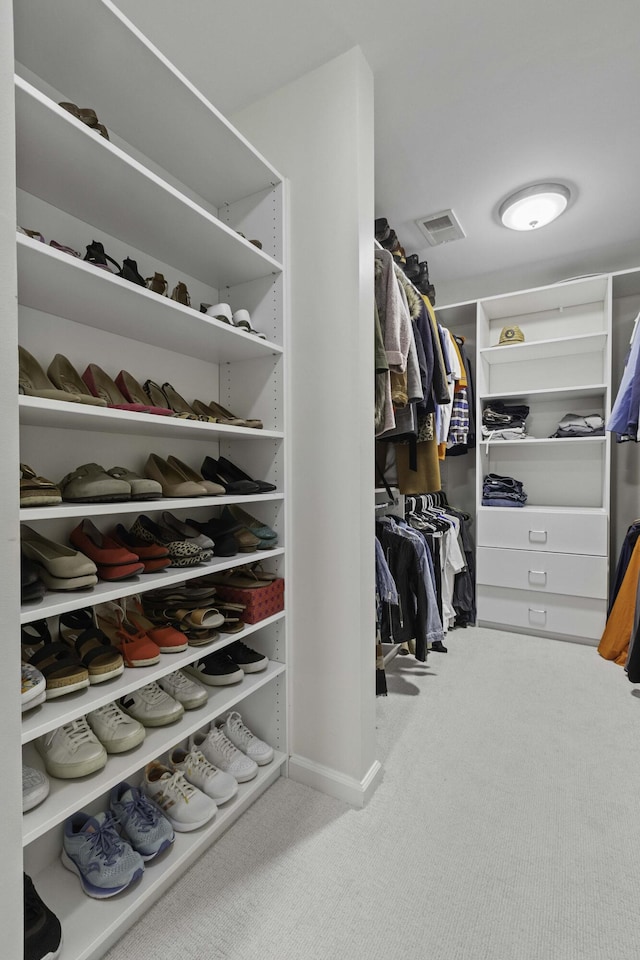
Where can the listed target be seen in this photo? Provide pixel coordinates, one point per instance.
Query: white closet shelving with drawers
(543, 568)
(171, 189)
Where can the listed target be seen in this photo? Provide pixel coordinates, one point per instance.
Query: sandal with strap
(179, 405)
(168, 639)
(96, 256)
(137, 649)
(157, 397)
(37, 491)
(78, 629)
(61, 669)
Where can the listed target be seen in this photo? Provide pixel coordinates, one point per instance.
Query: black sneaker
(249, 660)
(216, 670)
(42, 930)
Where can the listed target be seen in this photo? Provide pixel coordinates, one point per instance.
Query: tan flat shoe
(171, 480)
(64, 375)
(33, 381)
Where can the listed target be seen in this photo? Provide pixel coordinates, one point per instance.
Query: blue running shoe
(93, 849)
(142, 823)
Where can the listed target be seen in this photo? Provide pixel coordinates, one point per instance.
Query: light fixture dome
(535, 206)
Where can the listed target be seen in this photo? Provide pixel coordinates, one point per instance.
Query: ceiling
(472, 101)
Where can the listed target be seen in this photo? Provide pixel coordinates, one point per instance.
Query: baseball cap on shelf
(511, 335)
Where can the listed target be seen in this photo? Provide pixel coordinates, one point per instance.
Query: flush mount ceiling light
(535, 206)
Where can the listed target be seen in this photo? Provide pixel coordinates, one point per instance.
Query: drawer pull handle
(538, 536)
(538, 573)
(537, 612)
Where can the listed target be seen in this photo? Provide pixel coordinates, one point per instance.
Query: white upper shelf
(65, 163)
(38, 412)
(114, 63)
(543, 349)
(66, 286)
(542, 299)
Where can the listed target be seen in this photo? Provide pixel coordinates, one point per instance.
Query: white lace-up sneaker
(72, 750)
(115, 730)
(151, 706)
(223, 754)
(217, 784)
(242, 738)
(184, 806)
(35, 788)
(187, 692)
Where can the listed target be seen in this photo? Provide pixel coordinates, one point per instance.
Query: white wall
(319, 132)
(10, 788)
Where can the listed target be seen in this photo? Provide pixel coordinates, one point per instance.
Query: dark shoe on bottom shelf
(42, 930)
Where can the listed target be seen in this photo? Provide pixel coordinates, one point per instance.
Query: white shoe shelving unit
(170, 189)
(543, 568)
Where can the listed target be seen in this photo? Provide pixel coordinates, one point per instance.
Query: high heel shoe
(33, 381)
(217, 410)
(137, 649)
(211, 470)
(235, 473)
(64, 375)
(130, 272)
(179, 405)
(180, 294)
(96, 256)
(133, 392)
(157, 284)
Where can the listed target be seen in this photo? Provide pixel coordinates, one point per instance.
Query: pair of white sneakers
(195, 780)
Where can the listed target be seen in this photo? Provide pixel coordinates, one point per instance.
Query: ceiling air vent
(440, 228)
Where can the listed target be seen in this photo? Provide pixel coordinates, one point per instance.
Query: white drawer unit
(543, 568)
(577, 618)
(549, 531)
(572, 575)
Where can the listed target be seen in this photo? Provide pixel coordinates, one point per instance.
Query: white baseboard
(336, 784)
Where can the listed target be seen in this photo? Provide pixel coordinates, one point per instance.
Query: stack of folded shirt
(573, 425)
(502, 421)
(500, 491)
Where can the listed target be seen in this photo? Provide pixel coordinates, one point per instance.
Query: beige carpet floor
(507, 827)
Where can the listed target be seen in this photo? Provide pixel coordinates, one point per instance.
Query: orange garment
(614, 644)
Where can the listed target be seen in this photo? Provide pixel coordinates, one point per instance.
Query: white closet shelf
(64, 286)
(56, 602)
(555, 297)
(97, 182)
(544, 349)
(40, 412)
(91, 926)
(537, 441)
(535, 508)
(65, 798)
(54, 713)
(74, 510)
(595, 390)
(224, 168)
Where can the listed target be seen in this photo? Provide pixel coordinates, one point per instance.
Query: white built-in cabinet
(543, 568)
(170, 189)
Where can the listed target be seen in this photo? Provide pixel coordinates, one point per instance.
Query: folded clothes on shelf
(506, 433)
(574, 425)
(498, 414)
(498, 491)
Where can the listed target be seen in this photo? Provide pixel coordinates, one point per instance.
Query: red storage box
(260, 602)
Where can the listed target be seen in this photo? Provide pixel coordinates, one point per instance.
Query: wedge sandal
(91, 645)
(62, 670)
